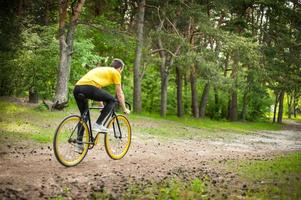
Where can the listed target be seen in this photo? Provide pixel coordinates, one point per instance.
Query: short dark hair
(117, 63)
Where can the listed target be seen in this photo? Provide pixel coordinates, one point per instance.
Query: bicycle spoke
(68, 149)
(118, 139)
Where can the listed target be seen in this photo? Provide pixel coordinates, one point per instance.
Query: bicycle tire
(64, 149)
(117, 147)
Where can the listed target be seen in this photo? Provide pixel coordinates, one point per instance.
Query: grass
(168, 189)
(285, 117)
(23, 122)
(297, 119)
(216, 125)
(19, 122)
(166, 129)
(278, 178)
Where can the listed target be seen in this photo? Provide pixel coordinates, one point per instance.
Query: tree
(179, 83)
(137, 83)
(66, 35)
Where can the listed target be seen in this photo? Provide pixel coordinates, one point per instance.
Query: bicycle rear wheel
(68, 150)
(117, 141)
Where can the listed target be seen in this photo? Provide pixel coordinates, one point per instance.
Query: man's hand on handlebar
(127, 111)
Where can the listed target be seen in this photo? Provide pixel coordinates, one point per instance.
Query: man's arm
(120, 97)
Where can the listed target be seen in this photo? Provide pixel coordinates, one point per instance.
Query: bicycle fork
(119, 129)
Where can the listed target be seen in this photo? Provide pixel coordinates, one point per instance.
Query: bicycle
(117, 141)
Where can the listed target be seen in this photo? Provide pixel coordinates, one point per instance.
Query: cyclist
(91, 85)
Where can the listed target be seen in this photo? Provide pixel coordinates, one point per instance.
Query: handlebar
(128, 106)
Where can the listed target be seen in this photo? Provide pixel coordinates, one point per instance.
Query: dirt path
(30, 171)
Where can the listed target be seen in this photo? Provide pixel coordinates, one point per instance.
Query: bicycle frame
(109, 117)
(86, 118)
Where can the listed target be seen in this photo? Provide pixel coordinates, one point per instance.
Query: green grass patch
(39, 124)
(279, 178)
(297, 119)
(17, 136)
(18, 122)
(214, 124)
(168, 189)
(165, 129)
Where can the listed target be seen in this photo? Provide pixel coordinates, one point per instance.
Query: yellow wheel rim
(117, 147)
(65, 151)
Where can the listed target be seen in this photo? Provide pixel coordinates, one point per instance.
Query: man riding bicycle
(91, 84)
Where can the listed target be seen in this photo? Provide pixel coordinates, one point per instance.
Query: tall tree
(233, 93)
(179, 83)
(193, 72)
(137, 82)
(204, 100)
(280, 112)
(66, 35)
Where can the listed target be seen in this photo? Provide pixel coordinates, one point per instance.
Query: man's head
(118, 64)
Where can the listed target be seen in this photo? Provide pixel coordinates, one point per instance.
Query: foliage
(249, 47)
(36, 61)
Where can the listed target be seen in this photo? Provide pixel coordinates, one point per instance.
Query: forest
(215, 89)
(225, 60)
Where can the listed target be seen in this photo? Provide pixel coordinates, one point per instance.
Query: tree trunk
(194, 95)
(179, 82)
(290, 105)
(275, 107)
(167, 62)
(204, 100)
(216, 101)
(295, 104)
(193, 80)
(233, 106)
(20, 8)
(164, 80)
(280, 111)
(228, 106)
(233, 101)
(97, 7)
(137, 77)
(226, 65)
(66, 50)
(244, 106)
(46, 13)
(186, 95)
(33, 95)
(61, 94)
(164, 84)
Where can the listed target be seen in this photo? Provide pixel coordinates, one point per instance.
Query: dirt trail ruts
(30, 171)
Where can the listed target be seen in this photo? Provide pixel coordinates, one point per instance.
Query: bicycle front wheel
(118, 139)
(70, 142)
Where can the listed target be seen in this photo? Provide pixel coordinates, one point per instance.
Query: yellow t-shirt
(101, 77)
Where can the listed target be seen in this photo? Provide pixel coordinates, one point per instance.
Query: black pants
(96, 94)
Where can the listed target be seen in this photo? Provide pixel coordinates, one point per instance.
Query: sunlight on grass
(274, 168)
(278, 178)
(19, 127)
(10, 108)
(20, 122)
(44, 137)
